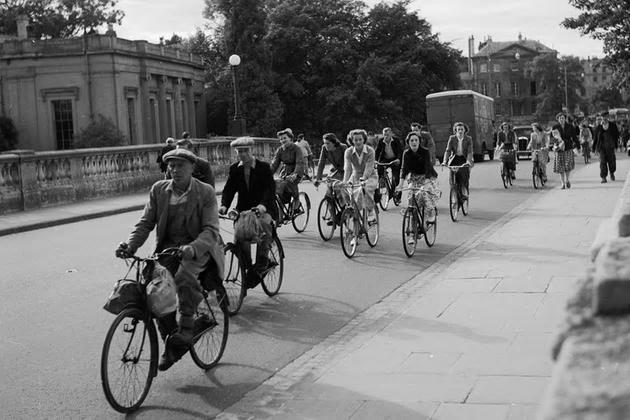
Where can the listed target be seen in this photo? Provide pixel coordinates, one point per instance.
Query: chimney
(22, 24)
(471, 51)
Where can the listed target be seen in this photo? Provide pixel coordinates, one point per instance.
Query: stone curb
(268, 399)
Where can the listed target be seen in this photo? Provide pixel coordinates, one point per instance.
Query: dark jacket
(568, 135)
(262, 188)
(201, 170)
(202, 223)
(417, 163)
(606, 140)
(379, 153)
(163, 151)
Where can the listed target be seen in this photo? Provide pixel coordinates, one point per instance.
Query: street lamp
(238, 123)
(566, 91)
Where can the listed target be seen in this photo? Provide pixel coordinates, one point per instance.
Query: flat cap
(242, 143)
(181, 154)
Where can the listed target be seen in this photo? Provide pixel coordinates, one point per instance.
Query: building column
(180, 125)
(161, 100)
(190, 102)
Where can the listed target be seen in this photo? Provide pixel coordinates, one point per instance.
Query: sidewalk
(75, 212)
(469, 338)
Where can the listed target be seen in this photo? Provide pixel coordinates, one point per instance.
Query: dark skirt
(564, 161)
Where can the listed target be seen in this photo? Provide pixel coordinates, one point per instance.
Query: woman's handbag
(247, 227)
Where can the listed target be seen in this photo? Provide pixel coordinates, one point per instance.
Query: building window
(483, 68)
(131, 119)
(497, 89)
(497, 108)
(514, 86)
(532, 88)
(604, 77)
(594, 79)
(496, 68)
(533, 108)
(64, 127)
(484, 88)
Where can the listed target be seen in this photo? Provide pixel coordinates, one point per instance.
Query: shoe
(612, 177)
(544, 179)
(330, 223)
(431, 218)
(411, 240)
(568, 184)
(604, 181)
(203, 323)
(172, 353)
(166, 361)
(354, 242)
(563, 186)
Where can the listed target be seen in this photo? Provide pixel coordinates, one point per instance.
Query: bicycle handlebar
(167, 252)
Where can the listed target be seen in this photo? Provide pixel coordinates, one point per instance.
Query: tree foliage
(330, 65)
(609, 21)
(549, 73)
(8, 134)
(606, 98)
(102, 132)
(59, 18)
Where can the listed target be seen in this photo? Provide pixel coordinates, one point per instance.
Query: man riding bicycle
(389, 151)
(292, 157)
(253, 180)
(184, 210)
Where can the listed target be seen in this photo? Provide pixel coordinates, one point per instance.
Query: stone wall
(31, 180)
(591, 377)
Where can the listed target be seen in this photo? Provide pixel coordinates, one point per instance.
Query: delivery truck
(475, 110)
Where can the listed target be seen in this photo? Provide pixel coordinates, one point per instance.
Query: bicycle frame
(354, 206)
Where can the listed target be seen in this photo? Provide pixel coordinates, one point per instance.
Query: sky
(454, 20)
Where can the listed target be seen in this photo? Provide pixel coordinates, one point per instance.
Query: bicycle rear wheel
(347, 233)
(211, 328)
(536, 178)
(409, 232)
(383, 188)
(464, 199)
(326, 218)
(300, 219)
(371, 227)
(234, 281)
(430, 228)
(453, 204)
(129, 360)
(272, 278)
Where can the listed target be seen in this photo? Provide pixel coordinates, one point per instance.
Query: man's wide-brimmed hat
(181, 154)
(242, 143)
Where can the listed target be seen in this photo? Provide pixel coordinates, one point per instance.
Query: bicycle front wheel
(272, 278)
(536, 178)
(301, 215)
(383, 188)
(430, 228)
(504, 177)
(211, 327)
(129, 360)
(234, 280)
(409, 232)
(453, 204)
(347, 233)
(371, 227)
(465, 198)
(326, 218)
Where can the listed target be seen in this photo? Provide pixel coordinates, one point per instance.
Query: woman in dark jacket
(565, 160)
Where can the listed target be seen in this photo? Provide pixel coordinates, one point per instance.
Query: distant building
(53, 88)
(499, 70)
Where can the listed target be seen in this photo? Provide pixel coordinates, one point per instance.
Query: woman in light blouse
(459, 150)
(538, 144)
(359, 166)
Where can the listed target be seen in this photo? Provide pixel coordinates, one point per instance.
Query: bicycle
(386, 188)
(329, 212)
(458, 197)
(299, 216)
(129, 358)
(355, 223)
(586, 152)
(538, 176)
(234, 281)
(506, 173)
(415, 224)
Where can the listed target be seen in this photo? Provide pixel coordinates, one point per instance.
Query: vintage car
(523, 134)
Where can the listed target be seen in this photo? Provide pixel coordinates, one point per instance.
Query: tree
(102, 132)
(607, 97)
(8, 134)
(59, 18)
(549, 73)
(609, 21)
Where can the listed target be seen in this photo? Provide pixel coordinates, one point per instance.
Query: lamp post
(566, 91)
(237, 126)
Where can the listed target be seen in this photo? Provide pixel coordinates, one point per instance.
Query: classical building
(54, 88)
(499, 70)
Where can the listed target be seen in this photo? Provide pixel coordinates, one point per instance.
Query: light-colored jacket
(451, 148)
(355, 169)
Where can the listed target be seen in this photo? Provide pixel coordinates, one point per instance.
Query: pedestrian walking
(564, 141)
(202, 169)
(170, 145)
(607, 136)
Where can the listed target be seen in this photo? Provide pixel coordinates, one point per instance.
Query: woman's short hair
(460, 124)
(331, 137)
(537, 126)
(357, 131)
(412, 134)
(560, 114)
(286, 131)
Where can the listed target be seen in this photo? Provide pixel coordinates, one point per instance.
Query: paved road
(56, 280)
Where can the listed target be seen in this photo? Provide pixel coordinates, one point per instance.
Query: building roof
(462, 92)
(493, 47)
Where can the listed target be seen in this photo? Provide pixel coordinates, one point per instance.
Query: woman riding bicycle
(459, 151)
(539, 145)
(359, 166)
(506, 143)
(333, 153)
(416, 163)
(586, 140)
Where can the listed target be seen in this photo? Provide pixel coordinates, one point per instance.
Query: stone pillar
(190, 102)
(180, 125)
(161, 100)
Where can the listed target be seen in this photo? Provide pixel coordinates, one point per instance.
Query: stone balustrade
(591, 375)
(30, 180)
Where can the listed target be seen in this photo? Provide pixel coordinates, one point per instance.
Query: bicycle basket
(127, 292)
(160, 290)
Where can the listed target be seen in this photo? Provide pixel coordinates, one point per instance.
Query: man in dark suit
(202, 170)
(389, 150)
(253, 180)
